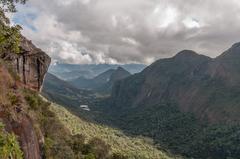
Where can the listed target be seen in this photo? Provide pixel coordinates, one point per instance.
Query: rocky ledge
(31, 64)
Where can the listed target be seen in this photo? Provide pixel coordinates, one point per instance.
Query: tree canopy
(10, 5)
(9, 35)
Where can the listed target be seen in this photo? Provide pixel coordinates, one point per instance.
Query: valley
(89, 79)
(187, 104)
(131, 147)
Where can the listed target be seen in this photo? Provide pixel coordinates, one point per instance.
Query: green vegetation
(121, 145)
(180, 133)
(218, 141)
(59, 144)
(163, 123)
(85, 140)
(65, 94)
(9, 146)
(9, 35)
(154, 103)
(9, 5)
(9, 38)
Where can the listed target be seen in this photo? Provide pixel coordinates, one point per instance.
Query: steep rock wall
(31, 64)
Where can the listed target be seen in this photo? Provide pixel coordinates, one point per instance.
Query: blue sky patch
(25, 18)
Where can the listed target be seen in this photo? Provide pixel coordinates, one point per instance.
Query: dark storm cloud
(112, 31)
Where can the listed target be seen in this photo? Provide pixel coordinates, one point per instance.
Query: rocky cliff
(25, 70)
(31, 64)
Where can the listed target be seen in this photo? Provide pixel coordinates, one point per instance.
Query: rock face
(15, 119)
(30, 67)
(31, 64)
(25, 131)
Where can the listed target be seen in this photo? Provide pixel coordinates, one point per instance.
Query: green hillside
(64, 93)
(133, 147)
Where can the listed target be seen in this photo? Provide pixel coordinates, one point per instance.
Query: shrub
(99, 148)
(9, 146)
(90, 156)
(47, 146)
(32, 101)
(77, 143)
(118, 156)
(13, 98)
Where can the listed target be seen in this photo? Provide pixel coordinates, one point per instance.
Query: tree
(9, 35)
(90, 156)
(9, 5)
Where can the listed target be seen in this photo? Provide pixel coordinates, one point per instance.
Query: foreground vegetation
(60, 143)
(131, 147)
(9, 146)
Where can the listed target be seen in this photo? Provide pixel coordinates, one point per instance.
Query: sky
(128, 31)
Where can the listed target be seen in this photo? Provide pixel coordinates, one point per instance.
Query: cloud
(126, 31)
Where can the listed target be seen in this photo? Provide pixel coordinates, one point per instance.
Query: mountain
(104, 77)
(89, 71)
(189, 104)
(103, 82)
(64, 93)
(193, 81)
(93, 83)
(117, 75)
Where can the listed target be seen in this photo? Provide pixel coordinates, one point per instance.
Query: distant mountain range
(61, 92)
(103, 82)
(71, 71)
(93, 83)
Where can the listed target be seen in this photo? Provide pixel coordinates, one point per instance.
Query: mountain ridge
(88, 71)
(176, 71)
(64, 93)
(103, 82)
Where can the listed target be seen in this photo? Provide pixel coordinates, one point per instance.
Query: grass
(134, 147)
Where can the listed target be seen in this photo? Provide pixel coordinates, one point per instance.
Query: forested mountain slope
(64, 93)
(188, 103)
(207, 87)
